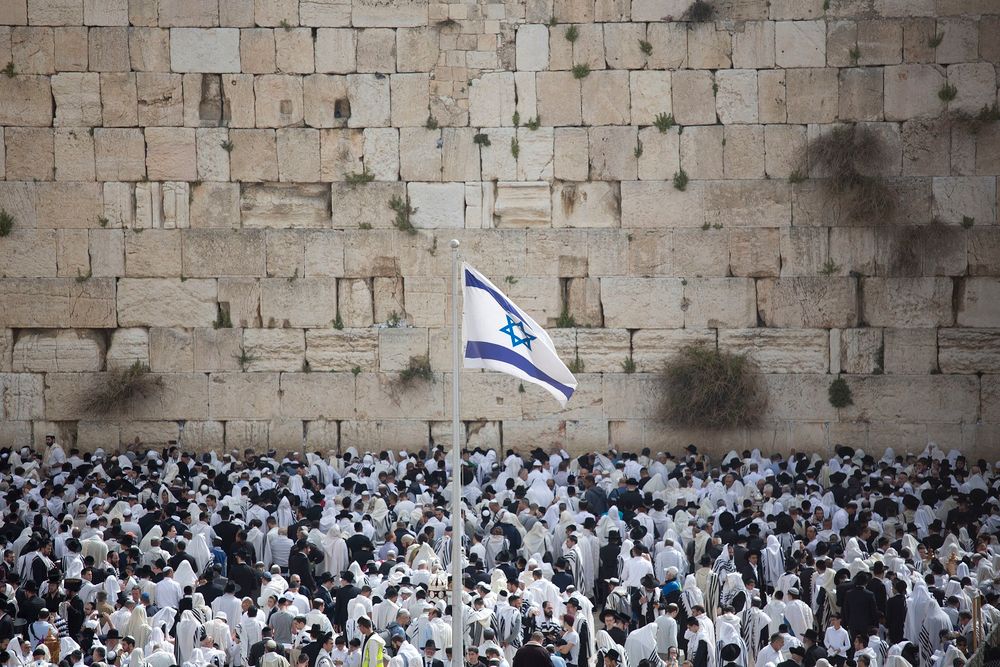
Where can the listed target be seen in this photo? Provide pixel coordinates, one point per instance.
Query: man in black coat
(430, 648)
(895, 612)
(797, 656)
(226, 531)
(698, 653)
(877, 585)
(814, 650)
(347, 592)
(532, 654)
(258, 650)
(212, 588)
(298, 563)
(859, 610)
(246, 580)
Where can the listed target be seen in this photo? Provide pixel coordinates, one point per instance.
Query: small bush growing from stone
(581, 71)
(120, 387)
(419, 369)
(700, 11)
(403, 212)
(840, 393)
(664, 121)
(707, 388)
(948, 92)
(681, 180)
(572, 33)
(6, 223)
(849, 155)
(481, 138)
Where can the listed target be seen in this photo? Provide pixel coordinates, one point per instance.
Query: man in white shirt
(773, 652)
(837, 641)
(168, 591)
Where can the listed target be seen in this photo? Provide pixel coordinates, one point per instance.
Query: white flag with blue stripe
(499, 336)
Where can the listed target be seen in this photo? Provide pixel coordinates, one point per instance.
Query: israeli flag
(499, 336)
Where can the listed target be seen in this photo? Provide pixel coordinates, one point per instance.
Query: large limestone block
(6, 349)
(437, 205)
(910, 351)
(754, 46)
(57, 303)
(980, 303)
(800, 43)
(55, 12)
(969, 350)
(743, 152)
(958, 197)
(594, 204)
(313, 13)
(153, 253)
(812, 95)
(559, 101)
(649, 90)
(317, 395)
(381, 396)
(603, 350)
(808, 301)
(380, 14)
(127, 347)
(170, 350)
(522, 204)
(693, 97)
(605, 96)
(77, 97)
(736, 101)
(254, 156)
(215, 204)
(382, 155)
(21, 397)
(275, 349)
(632, 396)
(29, 252)
(243, 396)
(30, 154)
(492, 100)
(342, 350)
(181, 396)
(660, 204)
(701, 151)
(171, 154)
(780, 350)
(397, 345)
(166, 303)
(120, 154)
(719, 303)
(365, 203)
(856, 350)
(652, 347)
(907, 302)
(218, 350)
(798, 397)
(68, 205)
(613, 153)
(279, 100)
(306, 302)
(107, 252)
(205, 50)
(355, 303)
(370, 103)
(532, 48)
(911, 91)
(159, 97)
(926, 398)
(58, 351)
(556, 253)
(755, 252)
(633, 303)
(285, 205)
(215, 253)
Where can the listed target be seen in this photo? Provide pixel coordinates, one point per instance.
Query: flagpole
(457, 625)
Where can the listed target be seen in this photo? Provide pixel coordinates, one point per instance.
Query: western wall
(254, 199)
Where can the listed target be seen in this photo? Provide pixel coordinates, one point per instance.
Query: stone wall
(204, 186)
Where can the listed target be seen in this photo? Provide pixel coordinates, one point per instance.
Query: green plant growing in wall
(403, 212)
(431, 123)
(227, 146)
(571, 34)
(664, 121)
(418, 370)
(565, 320)
(6, 223)
(120, 387)
(356, 370)
(638, 150)
(534, 123)
(855, 54)
(244, 358)
(645, 47)
(840, 393)
(829, 268)
(358, 177)
(222, 318)
(338, 323)
(935, 40)
(628, 365)
(968, 221)
(515, 147)
(9, 70)
(947, 92)
(481, 139)
(581, 71)
(576, 366)
(707, 388)
(699, 11)
(681, 180)
(516, 119)
(852, 157)
(84, 277)
(796, 177)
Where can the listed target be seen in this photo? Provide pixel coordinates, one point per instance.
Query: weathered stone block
(31, 50)
(298, 155)
(128, 346)
(808, 302)
(342, 350)
(120, 154)
(369, 95)
(57, 303)
(109, 50)
(164, 302)
(910, 351)
(205, 50)
(294, 49)
(29, 253)
(77, 96)
(753, 48)
(812, 95)
(437, 205)
(928, 398)
(22, 397)
(30, 153)
(694, 99)
(308, 302)
(120, 100)
(968, 350)
(522, 204)
(275, 349)
(407, 13)
(709, 48)
(257, 55)
(278, 100)
(243, 396)
(171, 154)
(800, 43)
(633, 303)
(780, 350)
(70, 351)
(911, 91)
(719, 303)
(559, 101)
(314, 13)
(612, 154)
(317, 395)
(160, 98)
(743, 152)
(254, 156)
(659, 204)
(856, 351)
(980, 303)
(907, 302)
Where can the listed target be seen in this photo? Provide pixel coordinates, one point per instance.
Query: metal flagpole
(457, 624)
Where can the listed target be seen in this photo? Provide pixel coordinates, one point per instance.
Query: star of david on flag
(499, 336)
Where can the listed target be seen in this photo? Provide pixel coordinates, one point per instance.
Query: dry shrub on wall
(121, 387)
(851, 156)
(707, 388)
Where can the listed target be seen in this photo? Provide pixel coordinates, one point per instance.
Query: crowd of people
(164, 558)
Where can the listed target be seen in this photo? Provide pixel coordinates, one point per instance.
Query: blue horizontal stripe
(477, 349)
(472, 281)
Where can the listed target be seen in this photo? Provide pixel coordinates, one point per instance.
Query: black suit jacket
(860, 612)
(298, 563)
(343, 597)
(877, 587)
(895, 616)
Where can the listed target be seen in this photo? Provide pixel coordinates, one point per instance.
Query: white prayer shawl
(221, 633)
(188, 636)
(691, 595)
(198, 549)
(799, 617)
(138, 626)
(185, 576)
(249, 632)
(729, 635)
(774, 561)
(641, 645)
(666, 633)
(231, 606)
(537, 541)
(605, 643)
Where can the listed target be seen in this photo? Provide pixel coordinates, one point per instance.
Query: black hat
(811, 635)
(430, 644)
(112, 634)
(797, 650)
(730, 652)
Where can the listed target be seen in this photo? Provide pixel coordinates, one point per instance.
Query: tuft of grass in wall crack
(222, 318)
(855, 54)
(6, 223)
(338, 323)
(534, 123)
(244, 358)
(681, 180)
(516, 119)
(796, 177)
(664, 121)
(358, 177)
(403, 212)
(481, 139)
(576, 366)
(829, 268)
(515, 147)
(84, 277)
(968, 221)
(565, 320)
(935, 40)
(645, 47)
(840, 394)
(356, 370)
(418, 370)
(638, 150)
(285, 24)
(571, 34)
(699, 11)
(581, 71)
(628, 366)
(9, 70)
(947, 93)
(431, 123)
